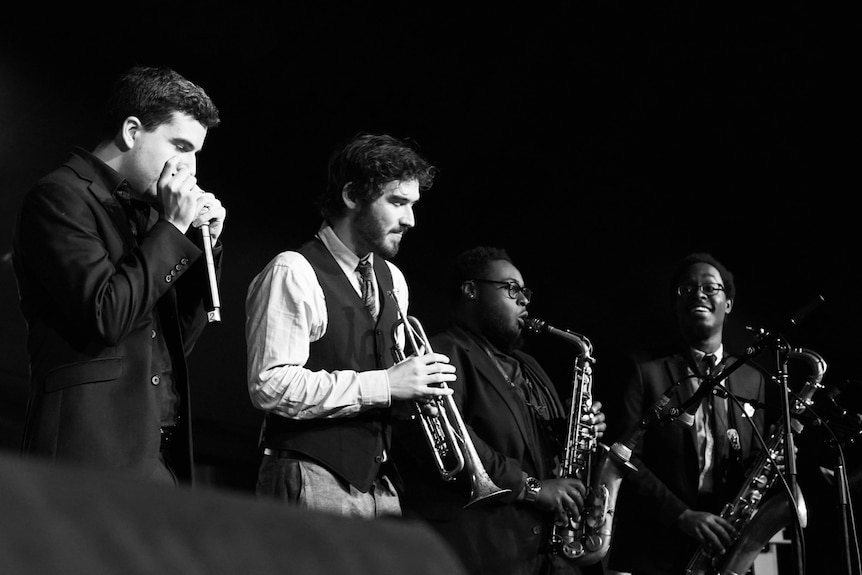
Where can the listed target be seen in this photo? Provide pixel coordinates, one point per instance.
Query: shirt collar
(109, 177)
(699, 355)
(346, 259)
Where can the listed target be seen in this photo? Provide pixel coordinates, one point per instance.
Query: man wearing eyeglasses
(514, 417)
(687, 470)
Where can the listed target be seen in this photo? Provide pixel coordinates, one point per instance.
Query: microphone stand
(782, 350)
(843, 507)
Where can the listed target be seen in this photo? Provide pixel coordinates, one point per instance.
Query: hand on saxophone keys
(713, 532)
(563, 497)
(595, 420)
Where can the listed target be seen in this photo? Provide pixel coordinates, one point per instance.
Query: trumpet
(451, 444)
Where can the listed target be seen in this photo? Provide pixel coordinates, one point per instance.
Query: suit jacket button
(155, 379)
(378, 459)
(537, 529)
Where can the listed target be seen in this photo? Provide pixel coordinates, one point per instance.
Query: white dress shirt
(285, 313)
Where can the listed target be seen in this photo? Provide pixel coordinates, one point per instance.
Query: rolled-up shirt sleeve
(285, 313)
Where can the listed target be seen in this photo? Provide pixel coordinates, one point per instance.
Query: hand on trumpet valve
(422, 377)
(429, 407)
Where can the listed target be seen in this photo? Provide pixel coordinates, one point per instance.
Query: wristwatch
(531, 493)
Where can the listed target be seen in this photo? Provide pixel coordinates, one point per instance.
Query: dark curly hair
(153, 94)
(706, 258)
(367, 163)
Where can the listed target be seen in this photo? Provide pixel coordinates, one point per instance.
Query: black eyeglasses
(708, 290)
(512, 289)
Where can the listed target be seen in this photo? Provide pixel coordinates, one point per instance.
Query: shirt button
(155, 379)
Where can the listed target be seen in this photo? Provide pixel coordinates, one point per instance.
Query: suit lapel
(679, 371)
(109, 201)
(494, 380)
(736, 420)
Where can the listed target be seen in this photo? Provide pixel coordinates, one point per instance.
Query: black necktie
(137, 211)
(366, 275)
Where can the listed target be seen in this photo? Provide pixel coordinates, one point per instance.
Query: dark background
(596, 143)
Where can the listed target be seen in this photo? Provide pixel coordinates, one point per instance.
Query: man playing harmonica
(114, 287)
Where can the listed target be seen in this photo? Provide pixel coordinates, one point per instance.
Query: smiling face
(380, 225)
(701, 316)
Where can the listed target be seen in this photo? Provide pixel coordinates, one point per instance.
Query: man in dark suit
(686, 474)
(113, 285)
(514, 417)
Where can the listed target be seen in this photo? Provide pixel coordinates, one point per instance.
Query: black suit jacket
(506, 536)
(90, 291)
(646, 538)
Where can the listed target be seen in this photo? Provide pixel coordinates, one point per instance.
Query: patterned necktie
(366, 280)
(716, 411)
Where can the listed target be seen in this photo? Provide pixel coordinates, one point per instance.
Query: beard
(500, 331)
(374, 235)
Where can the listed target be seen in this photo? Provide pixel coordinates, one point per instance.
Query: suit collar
(489, 370)
(102, 182)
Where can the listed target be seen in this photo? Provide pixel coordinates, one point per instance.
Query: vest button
(155, 379)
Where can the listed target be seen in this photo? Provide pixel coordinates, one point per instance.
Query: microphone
(686, 411)
(214, 310)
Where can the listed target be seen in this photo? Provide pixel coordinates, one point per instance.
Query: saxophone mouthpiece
(535, 325)
(539, 326)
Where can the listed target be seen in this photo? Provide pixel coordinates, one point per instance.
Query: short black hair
(473, 264)
(153, 94)
(368, 162)
(706, 258)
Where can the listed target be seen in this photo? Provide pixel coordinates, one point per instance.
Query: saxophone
(585, 540)
(756, 520)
